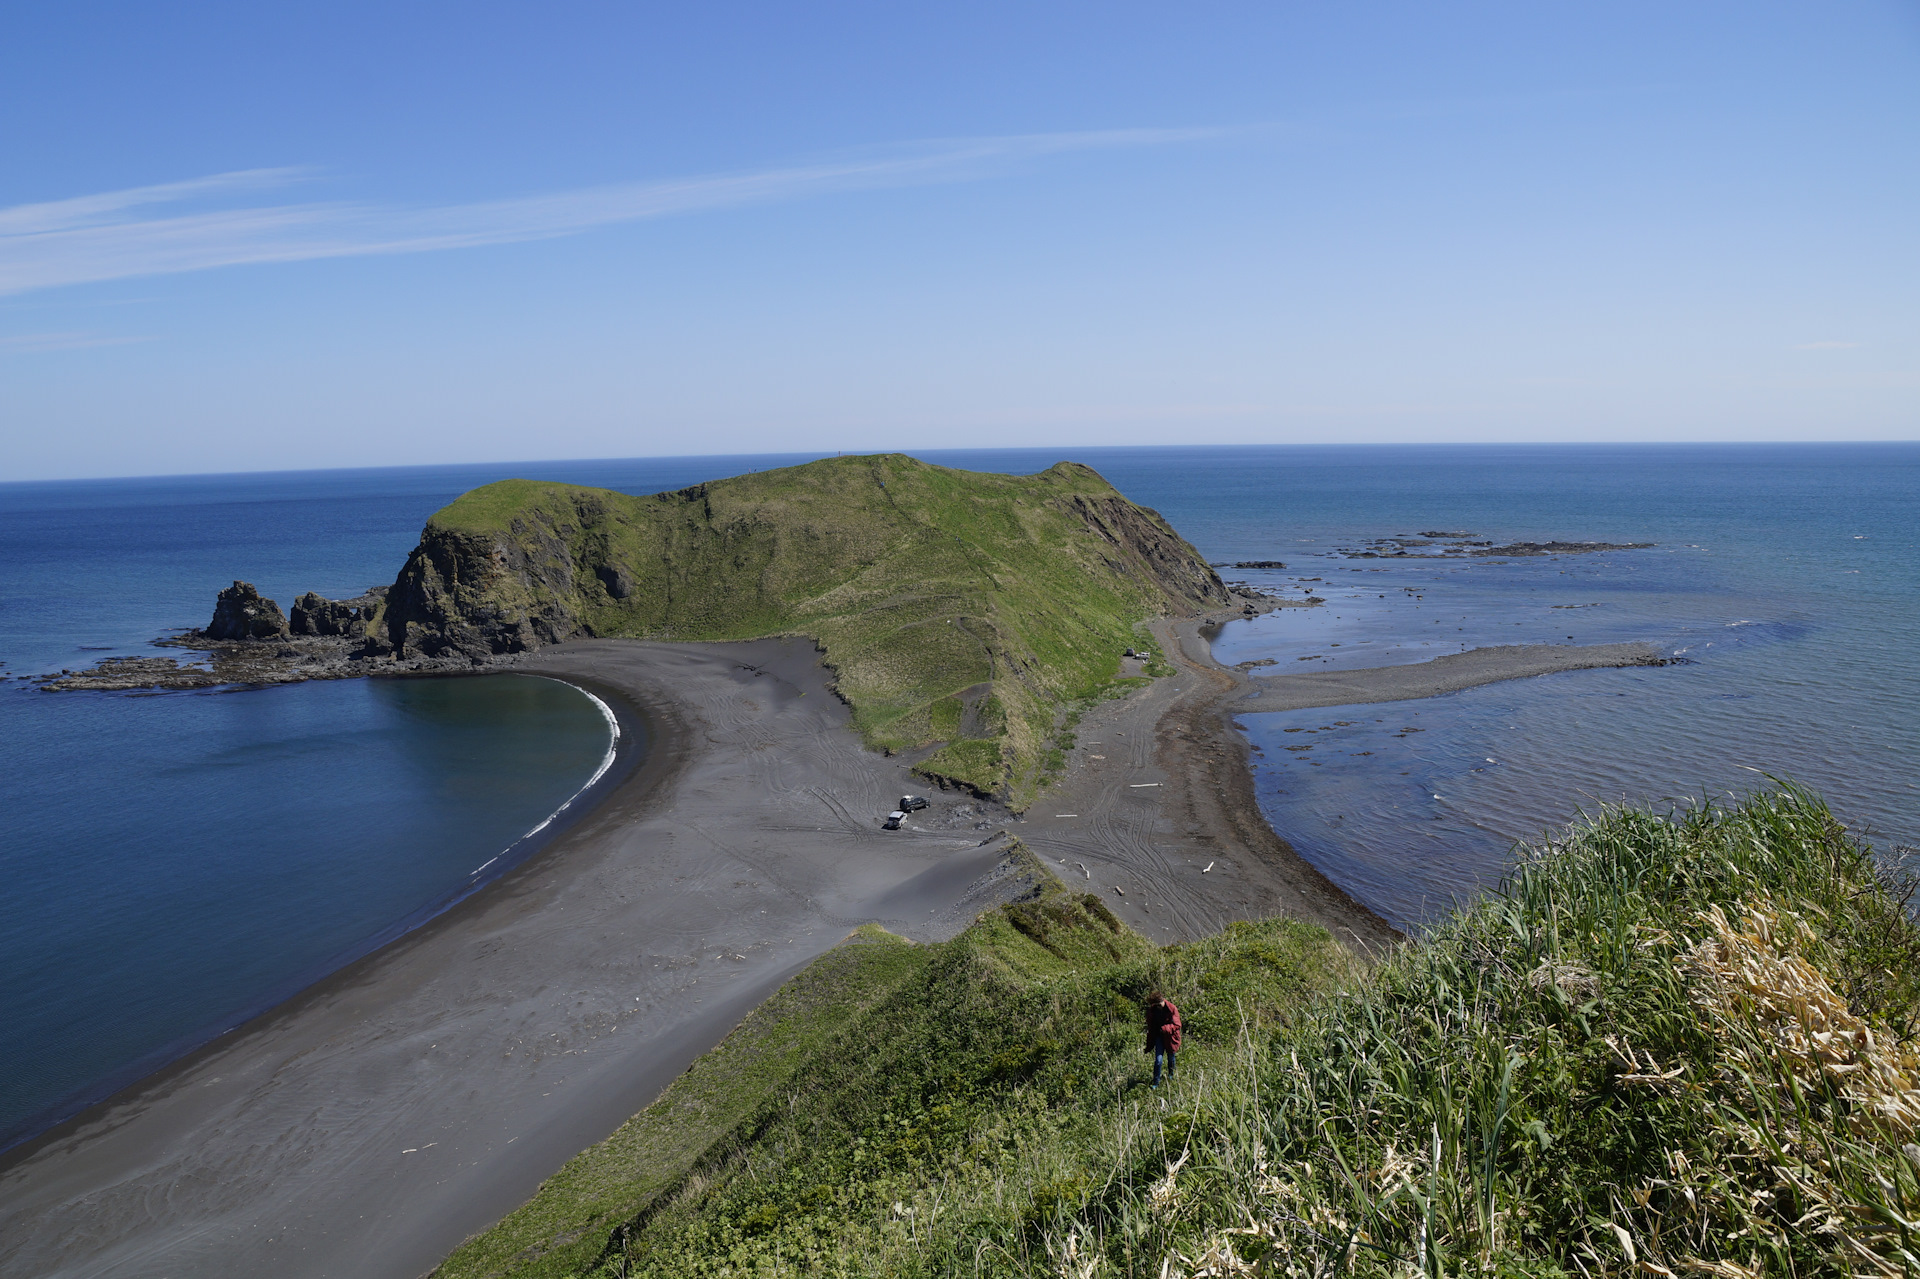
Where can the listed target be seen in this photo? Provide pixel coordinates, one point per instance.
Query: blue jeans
(1160, 1050)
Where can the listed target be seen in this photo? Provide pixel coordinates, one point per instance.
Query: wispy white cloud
(88, 210)
(77, 341)
(115, 235)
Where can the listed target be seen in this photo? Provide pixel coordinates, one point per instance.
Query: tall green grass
(1672, 1043)
(1590, 1072)
(983, 1108)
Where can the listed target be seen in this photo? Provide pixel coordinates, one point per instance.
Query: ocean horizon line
(1059, 451)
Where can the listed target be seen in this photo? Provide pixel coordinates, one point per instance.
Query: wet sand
(368, 1126)
(1158, 812)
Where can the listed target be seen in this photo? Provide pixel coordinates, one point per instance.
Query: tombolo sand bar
(366, 1127)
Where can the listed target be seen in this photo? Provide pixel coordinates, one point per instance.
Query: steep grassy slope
(1676, 1044)
(956, 607)
(992, 1059)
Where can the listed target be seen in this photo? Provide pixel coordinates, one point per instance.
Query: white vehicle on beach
(893, 820)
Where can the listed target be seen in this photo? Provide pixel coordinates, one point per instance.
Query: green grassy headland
(1671, 1044)
(957, 608)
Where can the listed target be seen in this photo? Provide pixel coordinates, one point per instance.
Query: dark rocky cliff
(242, 613)
(314, 614)
(460, 593)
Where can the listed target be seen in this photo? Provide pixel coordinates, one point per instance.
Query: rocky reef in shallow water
(314, 614)
(1557, 548)
(1403, 548)
(250, 642)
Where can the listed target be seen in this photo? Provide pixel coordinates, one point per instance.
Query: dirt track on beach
(367, 1126)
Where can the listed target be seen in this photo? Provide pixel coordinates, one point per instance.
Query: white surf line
(606, 762)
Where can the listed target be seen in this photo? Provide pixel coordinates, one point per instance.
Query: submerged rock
(1516, 549)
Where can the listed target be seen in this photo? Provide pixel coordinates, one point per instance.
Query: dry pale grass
(1752, 972)
(1815, 1098)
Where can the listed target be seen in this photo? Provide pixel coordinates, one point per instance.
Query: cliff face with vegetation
(956, 607)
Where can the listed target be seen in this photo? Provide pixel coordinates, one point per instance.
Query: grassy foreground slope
(1671, 1045)
(956, 607)
(885, 1062)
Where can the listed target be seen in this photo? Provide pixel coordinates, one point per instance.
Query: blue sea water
(176, 862)
(1785, 578)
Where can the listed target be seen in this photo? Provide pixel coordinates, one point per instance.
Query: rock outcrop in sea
(313, 614)
(1399, 548)
(250, 643)
(242, 613)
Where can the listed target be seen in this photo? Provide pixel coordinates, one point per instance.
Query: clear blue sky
(261, 236)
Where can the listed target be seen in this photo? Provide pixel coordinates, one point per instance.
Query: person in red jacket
(1163, 1033)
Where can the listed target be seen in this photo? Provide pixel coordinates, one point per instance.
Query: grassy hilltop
(1675, 1045)
(956, 607)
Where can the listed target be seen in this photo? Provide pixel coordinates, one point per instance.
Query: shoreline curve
(373, 1120)
(526, 984)
(155, 1065)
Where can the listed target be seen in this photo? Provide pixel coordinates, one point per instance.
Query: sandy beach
(1158, 813)
(370, 1124)
(367, 1126)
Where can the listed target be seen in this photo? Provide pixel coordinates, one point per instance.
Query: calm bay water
(175, 862)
